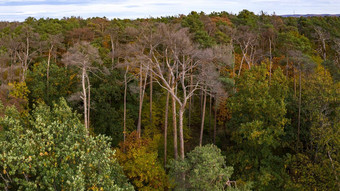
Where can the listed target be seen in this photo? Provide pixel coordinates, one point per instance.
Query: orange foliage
(221, 19)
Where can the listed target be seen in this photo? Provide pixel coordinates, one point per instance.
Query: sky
(19, 10)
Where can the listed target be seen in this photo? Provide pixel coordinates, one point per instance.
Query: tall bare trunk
(243, 57)
(140, 103)
(203, 117)
(166, 128)
(174, 123)
(113, 51)
(181, 134)
(48, 71)
(25, 67)
(84, 99)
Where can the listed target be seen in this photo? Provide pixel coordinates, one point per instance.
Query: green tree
(257, 124)
(204, 169)
(62, 83)
(139, 159)
(196, 26)
(51, 151)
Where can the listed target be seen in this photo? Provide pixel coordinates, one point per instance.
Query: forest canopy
(201, 101)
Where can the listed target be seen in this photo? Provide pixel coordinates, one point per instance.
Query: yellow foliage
(19, 90)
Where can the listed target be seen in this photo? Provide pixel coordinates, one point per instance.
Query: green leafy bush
(203, 169)
(139, 159)
(52, 151)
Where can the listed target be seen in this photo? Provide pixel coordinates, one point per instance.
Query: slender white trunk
(203, 116)
(140, 102)
(181, 134)
(84, 96)
(125, 92)
(166, 128)
(174, 123)
(48, 71)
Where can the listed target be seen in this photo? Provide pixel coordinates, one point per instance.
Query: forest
(215, 101)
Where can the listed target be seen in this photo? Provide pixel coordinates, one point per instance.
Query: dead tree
(82, 55)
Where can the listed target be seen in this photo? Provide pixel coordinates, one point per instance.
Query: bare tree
(302, 62)
(82, 55)
(27, 49)
(53, 43)
(322, 36)
(212, 62)
(172, 68)
(247, 40)
(145, 42)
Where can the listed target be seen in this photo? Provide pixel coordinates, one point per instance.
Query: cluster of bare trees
(165, 54)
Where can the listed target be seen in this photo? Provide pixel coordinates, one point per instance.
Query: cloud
(20, 9)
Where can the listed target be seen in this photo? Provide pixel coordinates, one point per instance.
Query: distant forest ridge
(311, 15)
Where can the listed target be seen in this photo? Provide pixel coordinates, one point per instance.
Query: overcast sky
(20, 9)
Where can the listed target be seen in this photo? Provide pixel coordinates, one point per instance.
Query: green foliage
(292, 40)
(319, 134)
(51, 151)
(138, 156)
(107, 106)
(62, 82)
(306, 174)
(204, 169)
(257, 124)
(196, 26)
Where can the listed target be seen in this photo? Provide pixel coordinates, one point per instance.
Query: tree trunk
(113, 51)
(181, 134)
(48, 72)
(84, 99)
(166, 128)
(26, 59)
(174, 123)
(140, 101)
(203, 117)
(142, 87)
(334, 169)
(324, 49)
